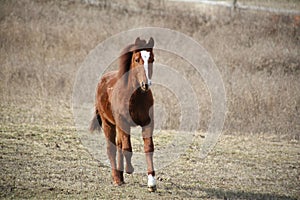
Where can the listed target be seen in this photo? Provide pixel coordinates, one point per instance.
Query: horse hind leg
(110, 134)
(124, 137)
(120, 157)
(127, 152)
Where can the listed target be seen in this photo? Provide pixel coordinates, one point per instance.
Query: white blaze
(145, 56)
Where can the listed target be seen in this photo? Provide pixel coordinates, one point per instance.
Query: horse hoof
(151, 183)
(152, 188)
(129, 169)
(118, 183)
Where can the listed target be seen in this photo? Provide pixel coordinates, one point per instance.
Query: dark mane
(125, 60)
(126, 56)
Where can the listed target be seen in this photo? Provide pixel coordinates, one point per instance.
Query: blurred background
(255, 45)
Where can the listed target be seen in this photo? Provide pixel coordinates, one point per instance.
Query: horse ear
(150, 43)
(137, 41)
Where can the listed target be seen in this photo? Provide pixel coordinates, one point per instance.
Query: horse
(123, 100)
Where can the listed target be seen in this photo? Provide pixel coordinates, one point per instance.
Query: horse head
(142, 63)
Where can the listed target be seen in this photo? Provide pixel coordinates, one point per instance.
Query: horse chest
(139, 111)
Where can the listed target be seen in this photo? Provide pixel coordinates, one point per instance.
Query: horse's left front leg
(149, 150)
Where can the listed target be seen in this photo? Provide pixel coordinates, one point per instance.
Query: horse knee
(148, 145)
(149, 148)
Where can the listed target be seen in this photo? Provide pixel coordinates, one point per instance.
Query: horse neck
(131, 86)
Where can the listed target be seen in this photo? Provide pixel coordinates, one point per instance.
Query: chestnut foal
(123, 100)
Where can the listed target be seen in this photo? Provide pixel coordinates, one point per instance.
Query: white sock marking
(151, 181)
(145, 56)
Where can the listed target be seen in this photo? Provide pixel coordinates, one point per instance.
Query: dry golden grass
(43, 44)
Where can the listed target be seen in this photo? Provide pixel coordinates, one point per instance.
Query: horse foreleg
(149, 150)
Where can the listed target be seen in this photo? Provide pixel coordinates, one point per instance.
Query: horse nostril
(144, 86)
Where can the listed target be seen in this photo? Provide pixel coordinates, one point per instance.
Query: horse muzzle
(145, 86)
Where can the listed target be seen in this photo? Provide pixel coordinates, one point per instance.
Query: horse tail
(96, 122)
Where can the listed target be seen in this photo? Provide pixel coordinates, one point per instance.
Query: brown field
(44, 42)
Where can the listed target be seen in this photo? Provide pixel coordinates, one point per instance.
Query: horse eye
(137, 60)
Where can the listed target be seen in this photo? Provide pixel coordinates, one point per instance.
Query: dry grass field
(44, 42)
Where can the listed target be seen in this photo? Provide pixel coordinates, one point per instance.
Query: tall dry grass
(42, 44)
